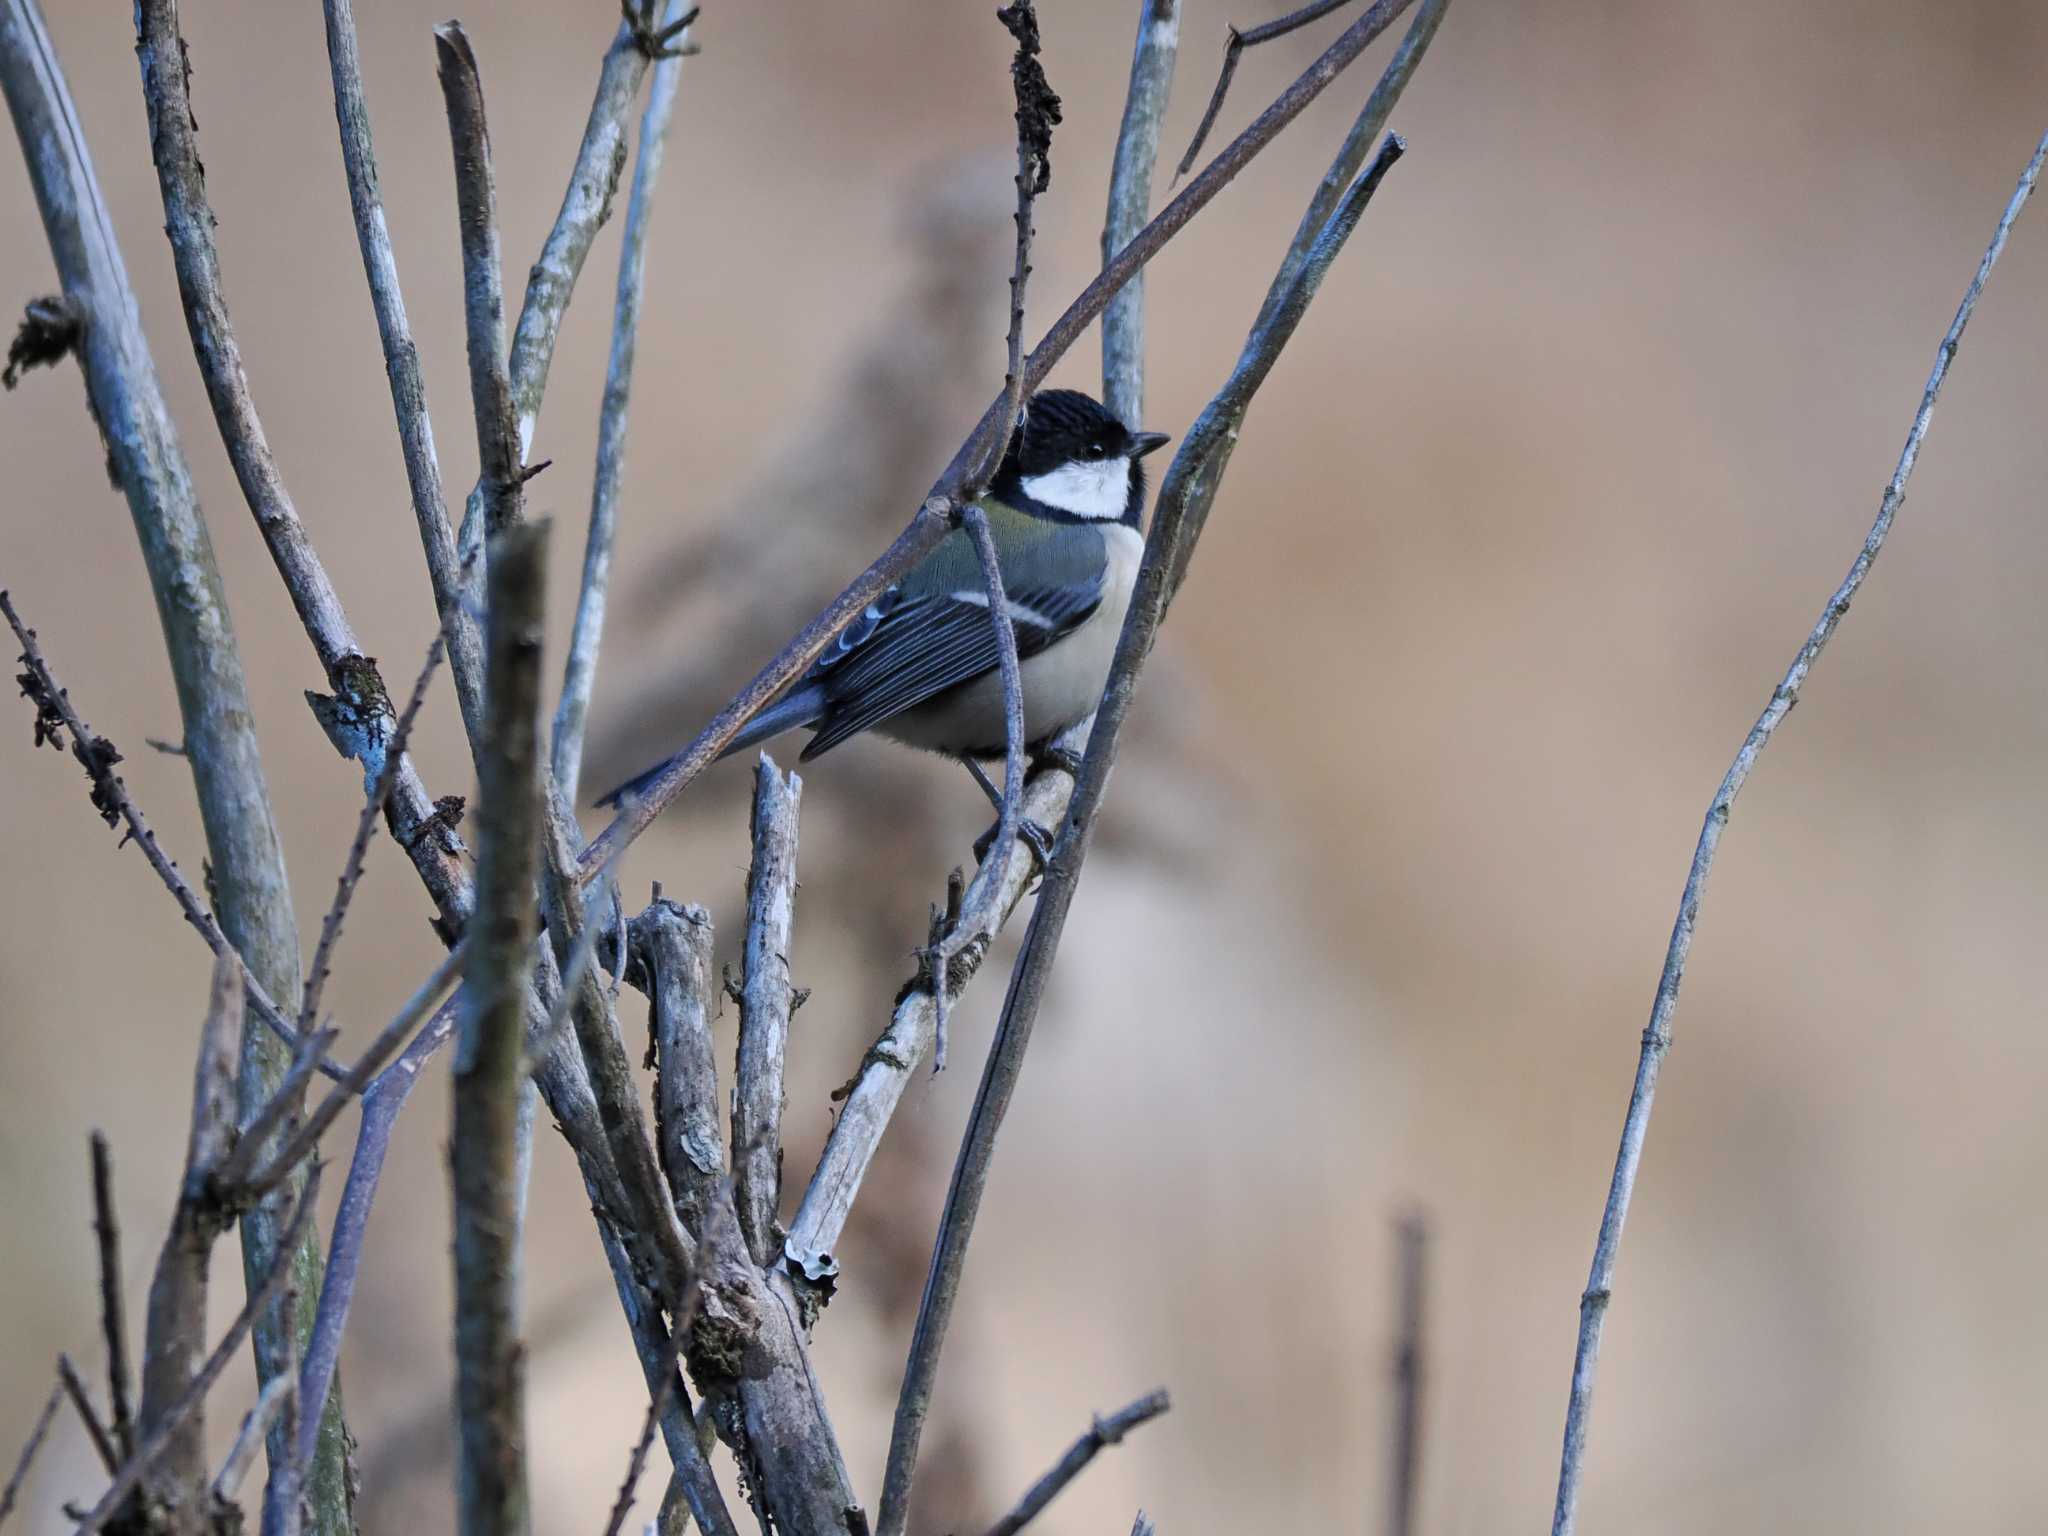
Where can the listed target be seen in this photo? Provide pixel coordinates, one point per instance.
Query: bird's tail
(802, 707)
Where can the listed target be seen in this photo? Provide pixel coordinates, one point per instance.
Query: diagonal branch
(1100, 1434)
(580, 670)
(36, 1434)
(113, 1307)
(1034, 965)
(1657, 1034)
(57, 720)
(934, 518)
(1279, 26)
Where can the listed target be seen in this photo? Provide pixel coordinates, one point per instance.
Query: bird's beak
(1143, 443)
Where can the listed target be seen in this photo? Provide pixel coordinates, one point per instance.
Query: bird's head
(1073, 460)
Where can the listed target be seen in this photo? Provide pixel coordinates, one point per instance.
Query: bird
(919, 665)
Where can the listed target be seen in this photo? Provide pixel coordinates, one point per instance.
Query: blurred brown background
(1584, 428)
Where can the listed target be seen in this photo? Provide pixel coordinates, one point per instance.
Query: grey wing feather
(917, 650)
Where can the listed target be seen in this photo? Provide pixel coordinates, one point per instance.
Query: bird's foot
(1051, 756)
(1030, 833)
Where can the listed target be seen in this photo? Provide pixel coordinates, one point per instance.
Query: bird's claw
(1050, 756)
(651, 38)
(1030, 833)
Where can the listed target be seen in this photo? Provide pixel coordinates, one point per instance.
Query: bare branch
(251, 888)
(500, 479)
(1130, 203)
(1101, 1433)
(56, 719)
(270, 1402)
(672, 946)
(1405, 1454)
(1280, 26)
(586, 204)
(175, 1338)
(491, 1054)
(305, 1138)
(402, 365)
(28, 1451)
(1657, 1034)
(580, 670)
(934, 518)
(766, 1002)
(1034, 965)
(95, 1431)
(113, 1306)
(382, 1100)
(637, 1462)
(138, 1466)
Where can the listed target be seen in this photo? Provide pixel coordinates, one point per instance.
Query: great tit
(920, 664)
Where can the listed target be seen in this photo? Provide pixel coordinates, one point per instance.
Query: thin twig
(359, 845)
(402, 366)
(1130, 203)
(174, 1337)
(305, 1138)
(586, 204)
(28, 1451)
(500, 478)
(1280, 26)
(579, 671)
(284, 1489)
(1657, 1034)
(255, 1427)
(1034, 965)
(95, 1431)
(382, 1100)
(490, 1056)
(1101, 1433)
(767, 1000)
(113, 1307)
(637, 1463)
(136, 1467)
(1405, 1443)
(934, 519)
(56, 720)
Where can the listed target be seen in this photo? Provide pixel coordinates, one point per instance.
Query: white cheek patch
(1100, 489)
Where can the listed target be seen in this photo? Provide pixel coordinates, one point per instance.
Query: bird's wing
(913, 645)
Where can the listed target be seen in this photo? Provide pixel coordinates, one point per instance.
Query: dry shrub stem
(1656, 1039)
(1100, 1434)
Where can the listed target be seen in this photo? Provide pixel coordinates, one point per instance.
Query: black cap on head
(1062, 425)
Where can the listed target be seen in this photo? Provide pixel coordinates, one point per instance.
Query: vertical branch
(491, 1051)
(766, 1002)
(1405, 1451)
(402, 365)
(175, 1338)
(501, 475)
(1130, 204)
(252, 895)
(1657, 1034)
(113, 1304)
(579, 673)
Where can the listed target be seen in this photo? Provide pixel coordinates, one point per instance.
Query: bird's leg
(1035, 837)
